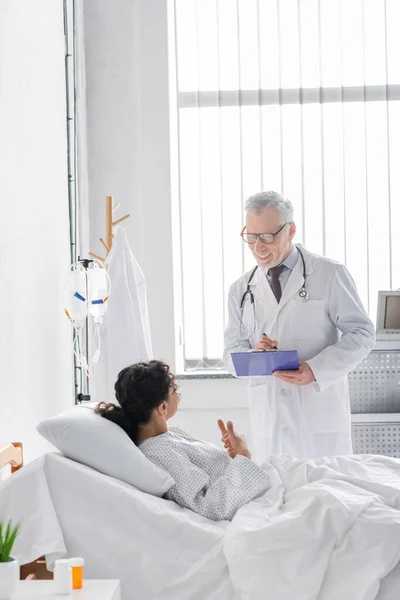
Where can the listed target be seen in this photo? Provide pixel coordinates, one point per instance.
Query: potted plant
(9, 567)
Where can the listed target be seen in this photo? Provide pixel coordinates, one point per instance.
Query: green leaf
(7, 540)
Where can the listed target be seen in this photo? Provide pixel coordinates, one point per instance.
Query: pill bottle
(77, 564)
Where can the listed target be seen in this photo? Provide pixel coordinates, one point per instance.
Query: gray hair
(259, 202)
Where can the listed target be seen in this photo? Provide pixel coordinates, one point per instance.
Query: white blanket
(329, 529)
(334, 538)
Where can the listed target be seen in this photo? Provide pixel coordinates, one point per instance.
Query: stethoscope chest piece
(304, 295)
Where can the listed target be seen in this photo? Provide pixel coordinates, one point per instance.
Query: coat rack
(84, 390)
(107, 243)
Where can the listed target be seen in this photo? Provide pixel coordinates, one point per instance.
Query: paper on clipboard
(260, 364)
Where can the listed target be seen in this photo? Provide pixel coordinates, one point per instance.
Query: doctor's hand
(233, 442)
(266, 344)
(303, 375)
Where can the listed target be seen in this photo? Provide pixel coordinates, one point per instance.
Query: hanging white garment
(125, 332)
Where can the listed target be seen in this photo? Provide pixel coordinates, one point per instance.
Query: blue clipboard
(259, 364)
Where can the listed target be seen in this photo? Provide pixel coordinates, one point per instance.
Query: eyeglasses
(265, 238)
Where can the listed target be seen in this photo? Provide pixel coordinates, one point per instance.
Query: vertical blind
(298, 96)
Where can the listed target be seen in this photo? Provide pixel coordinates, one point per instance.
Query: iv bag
(98, 289)
(76, 301)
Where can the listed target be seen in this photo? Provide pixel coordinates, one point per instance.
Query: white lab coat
(125, 333)
(331, 331)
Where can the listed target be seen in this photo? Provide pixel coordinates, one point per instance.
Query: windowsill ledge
(204, 375)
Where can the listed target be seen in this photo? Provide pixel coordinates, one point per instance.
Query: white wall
(36, 375)
(128, 140)
(128, 146)
(204, 401)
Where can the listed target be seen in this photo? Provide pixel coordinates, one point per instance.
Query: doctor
(295, 300)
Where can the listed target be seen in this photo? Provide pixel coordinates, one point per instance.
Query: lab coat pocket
(326, 411)
(307, 320)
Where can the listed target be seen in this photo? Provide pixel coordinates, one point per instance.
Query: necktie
(274, 281)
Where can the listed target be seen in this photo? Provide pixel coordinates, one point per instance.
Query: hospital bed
(157, 549)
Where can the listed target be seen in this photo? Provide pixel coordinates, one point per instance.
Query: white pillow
(81, 434)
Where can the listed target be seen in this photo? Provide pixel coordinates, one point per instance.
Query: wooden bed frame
(12, 454)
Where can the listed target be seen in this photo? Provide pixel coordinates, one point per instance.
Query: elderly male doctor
(302, 302)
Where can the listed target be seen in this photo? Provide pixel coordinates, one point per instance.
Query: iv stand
(83, 395)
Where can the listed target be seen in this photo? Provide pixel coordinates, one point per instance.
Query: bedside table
(93, 589)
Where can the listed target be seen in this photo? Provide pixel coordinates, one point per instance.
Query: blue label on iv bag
(77, 295)
(98, 301)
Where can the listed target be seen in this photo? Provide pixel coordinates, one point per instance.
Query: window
(299, 96)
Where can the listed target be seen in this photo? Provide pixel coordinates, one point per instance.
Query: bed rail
(12, 454)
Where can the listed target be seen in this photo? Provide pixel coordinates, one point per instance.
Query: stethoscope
(249, 296)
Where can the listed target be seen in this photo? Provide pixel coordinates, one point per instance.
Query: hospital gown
(207, 480)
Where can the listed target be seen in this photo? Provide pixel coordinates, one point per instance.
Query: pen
(267, 336)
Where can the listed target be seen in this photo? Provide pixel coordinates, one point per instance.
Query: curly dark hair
(139, 389)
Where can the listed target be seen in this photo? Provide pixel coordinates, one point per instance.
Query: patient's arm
(241, 482)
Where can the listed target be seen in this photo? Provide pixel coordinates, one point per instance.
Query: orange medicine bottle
(77, 564)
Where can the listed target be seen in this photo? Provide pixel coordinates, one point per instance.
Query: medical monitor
(388, 318)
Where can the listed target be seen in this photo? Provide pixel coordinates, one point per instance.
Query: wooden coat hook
(108, 241)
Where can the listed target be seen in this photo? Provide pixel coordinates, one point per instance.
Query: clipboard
(260, 364)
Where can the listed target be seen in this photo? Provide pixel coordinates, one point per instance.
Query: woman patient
(208, 480)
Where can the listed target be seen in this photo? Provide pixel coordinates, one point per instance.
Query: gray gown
(207, 480)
